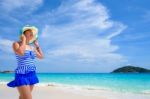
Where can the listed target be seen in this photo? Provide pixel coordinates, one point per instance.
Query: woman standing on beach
(25, 73)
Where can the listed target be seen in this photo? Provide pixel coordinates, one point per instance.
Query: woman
(25, 73)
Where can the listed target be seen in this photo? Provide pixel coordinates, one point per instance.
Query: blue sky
(79, 35)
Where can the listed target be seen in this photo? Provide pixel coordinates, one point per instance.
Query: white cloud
(85, 33)
(12, 5)
(92, 51)
(6, 45)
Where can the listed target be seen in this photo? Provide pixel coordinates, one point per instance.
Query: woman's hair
(27, 30)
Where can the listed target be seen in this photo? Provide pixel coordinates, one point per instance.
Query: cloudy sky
(79, 35)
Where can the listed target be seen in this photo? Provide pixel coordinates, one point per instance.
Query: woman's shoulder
(16, 42)
(15, 45)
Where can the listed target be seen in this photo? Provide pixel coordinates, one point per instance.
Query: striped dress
(25, 62)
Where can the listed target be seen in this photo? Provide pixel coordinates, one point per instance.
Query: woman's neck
(27, 42)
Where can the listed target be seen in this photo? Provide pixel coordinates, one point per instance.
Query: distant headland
(131, 69)
(7, 71)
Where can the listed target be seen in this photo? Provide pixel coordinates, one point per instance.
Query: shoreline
(81, 87)
(57, 92)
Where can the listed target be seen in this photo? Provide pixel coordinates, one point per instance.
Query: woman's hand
(36, 43)
(38, 50)
(23, 38)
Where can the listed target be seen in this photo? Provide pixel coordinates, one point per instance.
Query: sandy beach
(54, 92)
(46, 93)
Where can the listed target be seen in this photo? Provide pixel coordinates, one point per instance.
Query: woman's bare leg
(25, 92)
(31, 87)
(20, 97)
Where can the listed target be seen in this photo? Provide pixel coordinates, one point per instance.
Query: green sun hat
(34, 31)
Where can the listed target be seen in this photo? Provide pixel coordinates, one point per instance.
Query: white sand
(53, 92)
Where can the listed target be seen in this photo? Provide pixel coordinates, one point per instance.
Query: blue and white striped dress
(25, 62)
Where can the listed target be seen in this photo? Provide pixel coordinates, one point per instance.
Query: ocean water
(129, 83)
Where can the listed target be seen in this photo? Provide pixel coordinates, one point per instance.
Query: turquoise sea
(130, 83)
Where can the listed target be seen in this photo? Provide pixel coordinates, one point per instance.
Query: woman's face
(28, 34)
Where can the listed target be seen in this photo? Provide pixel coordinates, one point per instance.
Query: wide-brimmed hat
(34, 31)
